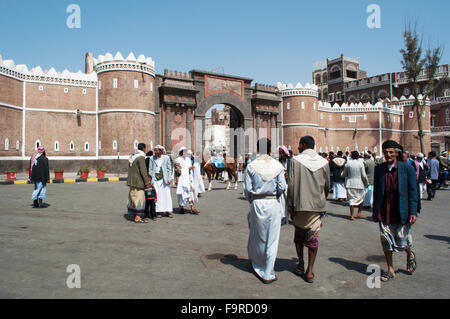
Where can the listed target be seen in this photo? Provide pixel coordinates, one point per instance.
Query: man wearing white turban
(185, 187)
(160, 170)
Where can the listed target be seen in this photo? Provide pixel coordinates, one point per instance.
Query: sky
(267, 41)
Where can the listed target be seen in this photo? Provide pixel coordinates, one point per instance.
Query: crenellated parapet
(299, 90)
(105, 63)
(21, 72)
(177, 74)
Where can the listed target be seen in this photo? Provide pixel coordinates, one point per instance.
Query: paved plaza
(201, 256)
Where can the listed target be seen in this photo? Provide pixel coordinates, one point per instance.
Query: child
(150, 201)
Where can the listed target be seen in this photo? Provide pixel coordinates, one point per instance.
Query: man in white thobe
(160, 169)
(185, 188)
(264, 182)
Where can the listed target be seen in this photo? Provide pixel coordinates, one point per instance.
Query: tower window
(41, 88)
(56, 146)
(99, 85)
(71, 146)
(66, 90)
(37, 144)
(136, 84)
(86, 147)
(115, 83)
(411, 115)
(114, 145)
(17, 145)
(84, 91)
(6, 144)
(151, 86)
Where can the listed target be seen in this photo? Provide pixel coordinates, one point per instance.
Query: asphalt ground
(202, 256)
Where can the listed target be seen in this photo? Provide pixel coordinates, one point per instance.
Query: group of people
(299, 186)
(150, 176)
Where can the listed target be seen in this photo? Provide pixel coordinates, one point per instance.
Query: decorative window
(388, 118)
(151, 86)
(84, 91)
(66, 90)
(375, 149)
(41, 88)
(135, 144)
(56, 146)
(406, 92)
(303, 105)
(6, 144)
(136, 84)
(365, 117)
(17, 145)
(37, 144)
(71, 146)
(99, 85)
(314, 105)
(331, 96)
(288, 106)
(423, 114)
(86, 147)
(447, 93)
(99, 145)
(114, 145)
(115, 83)
(411, 115)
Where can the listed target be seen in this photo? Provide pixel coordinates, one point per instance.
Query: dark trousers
(431, 189)
(150, 205)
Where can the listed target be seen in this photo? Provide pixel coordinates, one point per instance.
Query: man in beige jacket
(137, 181)
(308, 186)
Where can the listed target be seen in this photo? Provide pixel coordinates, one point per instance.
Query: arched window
(86, 147)
(71, 146)
(6, 144)
(135, 144)
(18, 145)
(375, 149)
(56, 146)
(411, 115)
(114, 145)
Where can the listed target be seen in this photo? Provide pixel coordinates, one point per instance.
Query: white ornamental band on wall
(125, 66)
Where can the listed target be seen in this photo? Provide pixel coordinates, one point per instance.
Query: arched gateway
(184, 100)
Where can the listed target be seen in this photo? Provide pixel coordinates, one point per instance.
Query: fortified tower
(126, 102)
(300, 113)
(410, 139)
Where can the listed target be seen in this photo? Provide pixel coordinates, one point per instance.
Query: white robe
(198, 180)
(185, 189)
(164, 202)
(264, 218)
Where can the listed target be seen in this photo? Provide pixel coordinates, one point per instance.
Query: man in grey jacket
(355, 183)
(308, 187)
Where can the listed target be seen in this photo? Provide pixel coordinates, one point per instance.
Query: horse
(230, 168)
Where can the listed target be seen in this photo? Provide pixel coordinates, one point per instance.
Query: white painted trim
(61, 111)
(64, 158)
(300, 124)
(126, 111)
(24, 110)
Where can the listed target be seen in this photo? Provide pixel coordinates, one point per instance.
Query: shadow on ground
(350, 265)
(244, 264)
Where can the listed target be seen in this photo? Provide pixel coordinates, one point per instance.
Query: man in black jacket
(40, 176)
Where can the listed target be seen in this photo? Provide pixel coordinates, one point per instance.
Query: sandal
(299, 270)
(309, 280)
(195, 212)
(387, 276)
(139, 221)
(411, 264)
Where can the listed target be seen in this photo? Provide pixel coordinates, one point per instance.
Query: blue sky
(267, 41)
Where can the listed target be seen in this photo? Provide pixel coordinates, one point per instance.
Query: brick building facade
(98, 117)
